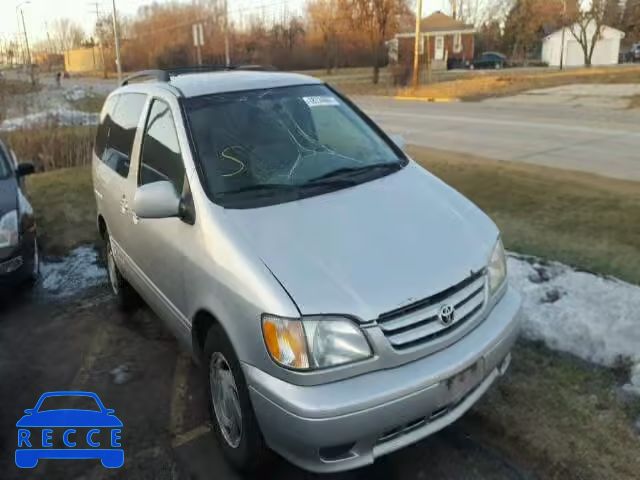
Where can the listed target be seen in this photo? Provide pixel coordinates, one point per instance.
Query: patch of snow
(75, 93)
(74, 273)
(55, 116)
(593, 317)
(121, 374)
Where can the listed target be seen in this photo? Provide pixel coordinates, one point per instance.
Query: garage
(605, 52)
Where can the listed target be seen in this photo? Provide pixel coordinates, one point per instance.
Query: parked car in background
(19, 258)
(493, 60)
(633, 55)
(343, 301)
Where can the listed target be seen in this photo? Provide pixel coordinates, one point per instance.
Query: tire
(126, 297)
(498, 66)
(32, 279)
(243, 446)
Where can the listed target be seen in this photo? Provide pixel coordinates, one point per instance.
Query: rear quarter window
(117, 130)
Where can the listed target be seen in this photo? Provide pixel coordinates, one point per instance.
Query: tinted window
(161, 158)
(117, 130)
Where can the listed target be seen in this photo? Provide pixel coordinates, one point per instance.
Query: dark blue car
(31, 448)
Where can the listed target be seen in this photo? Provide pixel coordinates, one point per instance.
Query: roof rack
(164, 75)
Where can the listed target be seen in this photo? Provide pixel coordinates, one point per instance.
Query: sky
(39, 13)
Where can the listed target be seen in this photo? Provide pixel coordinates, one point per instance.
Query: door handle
(124, 205)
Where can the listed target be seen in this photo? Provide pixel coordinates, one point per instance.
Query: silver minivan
(343, 301)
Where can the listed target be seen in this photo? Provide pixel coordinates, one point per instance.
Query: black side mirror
(25, 169)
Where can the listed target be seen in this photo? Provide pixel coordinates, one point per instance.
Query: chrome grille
(419, 323)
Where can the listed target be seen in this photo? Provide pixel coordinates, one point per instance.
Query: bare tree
(325, 16)
(377, 18)
(66, 34)
(588, 26)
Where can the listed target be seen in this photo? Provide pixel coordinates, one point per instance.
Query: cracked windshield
(341, 239)
(262, 141)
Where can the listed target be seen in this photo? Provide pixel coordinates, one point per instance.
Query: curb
(427, 99)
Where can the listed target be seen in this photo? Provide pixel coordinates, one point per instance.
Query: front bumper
(348, 423)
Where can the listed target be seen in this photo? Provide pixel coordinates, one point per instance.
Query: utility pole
(227, 57)
(99, 31)
(116, 40)
(564, 27)
(26, 43)
(416, 46)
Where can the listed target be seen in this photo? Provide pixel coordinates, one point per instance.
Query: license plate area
(463, 382)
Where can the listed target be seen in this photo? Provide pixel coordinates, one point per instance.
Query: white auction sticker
(321, 101)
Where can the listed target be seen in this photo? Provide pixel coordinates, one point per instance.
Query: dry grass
(10, 89)
(53, 146)
(585, 220)
(65, 209)
(560, 417)
(634, 102)
(482, 85)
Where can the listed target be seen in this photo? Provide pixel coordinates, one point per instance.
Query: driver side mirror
(25, 169)
(156, 200)
(398, 140)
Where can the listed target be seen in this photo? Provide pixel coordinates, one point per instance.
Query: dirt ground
(78, 344)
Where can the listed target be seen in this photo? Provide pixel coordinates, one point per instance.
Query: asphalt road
(590, 138)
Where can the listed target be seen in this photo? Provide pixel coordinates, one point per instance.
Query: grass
(560, 417)
(553, 414)
(53, 146)
(481, 85)
(584, 220)
(9, 89)
(65, 209)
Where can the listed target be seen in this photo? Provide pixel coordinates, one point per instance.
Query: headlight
(497, 268)
(314, 342)
(9, 229)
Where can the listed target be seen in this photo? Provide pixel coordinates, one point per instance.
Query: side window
(117, 130)
(105, 125)
(161, 158)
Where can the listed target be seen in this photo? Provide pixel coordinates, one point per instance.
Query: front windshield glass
(269, 146)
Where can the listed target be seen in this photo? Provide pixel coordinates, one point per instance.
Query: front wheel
(126, 296)
(234, 422)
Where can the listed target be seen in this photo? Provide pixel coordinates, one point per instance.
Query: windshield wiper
(277, 188)
(262, 188)
(387, 167)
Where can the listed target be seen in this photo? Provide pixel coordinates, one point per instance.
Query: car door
(115, 139)
(156, 245)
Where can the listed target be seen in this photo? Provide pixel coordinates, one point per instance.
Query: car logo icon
(446, 315)
(83, 437)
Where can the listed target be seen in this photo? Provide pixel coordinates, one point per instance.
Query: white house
(605, 53)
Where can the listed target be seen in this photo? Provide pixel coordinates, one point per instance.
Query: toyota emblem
(446, 315)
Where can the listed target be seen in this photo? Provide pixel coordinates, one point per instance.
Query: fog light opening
(337, 452)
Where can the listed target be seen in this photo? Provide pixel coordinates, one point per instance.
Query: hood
(8, 195)
(371, 248)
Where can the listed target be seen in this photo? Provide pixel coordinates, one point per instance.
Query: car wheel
(498, 65)
(126, 296)
(232, 416)
(35, 268)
